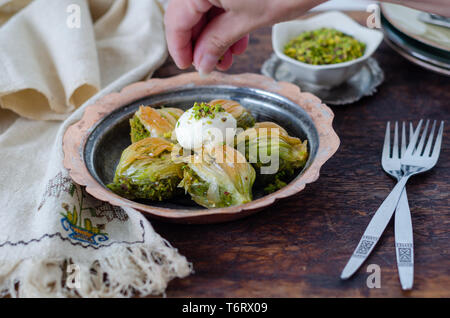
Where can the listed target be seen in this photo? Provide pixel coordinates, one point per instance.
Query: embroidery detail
(111, 212)
(73, 221)
(55, 187)
(80, 226)
(82, 234)
(65, 239)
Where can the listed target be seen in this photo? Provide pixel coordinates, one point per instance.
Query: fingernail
(207, 64)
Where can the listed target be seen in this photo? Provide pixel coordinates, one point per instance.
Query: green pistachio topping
(324, 46)
(204, 110)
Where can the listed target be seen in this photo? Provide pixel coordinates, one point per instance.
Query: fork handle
(374, 230)
(404, 247)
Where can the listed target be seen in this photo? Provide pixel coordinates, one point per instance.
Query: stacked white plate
(425, 44)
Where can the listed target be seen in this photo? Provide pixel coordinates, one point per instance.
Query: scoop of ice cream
(205, 125)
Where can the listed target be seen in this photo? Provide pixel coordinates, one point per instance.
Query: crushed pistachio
(274, 186)
(324, 46)
(203, 110)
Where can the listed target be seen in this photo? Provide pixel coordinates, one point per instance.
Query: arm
(207, 33)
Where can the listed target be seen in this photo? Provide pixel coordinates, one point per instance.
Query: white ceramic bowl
(332, 74)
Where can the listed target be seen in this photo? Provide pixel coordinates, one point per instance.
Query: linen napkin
(55, 239)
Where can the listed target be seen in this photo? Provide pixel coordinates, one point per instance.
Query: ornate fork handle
(375, 228)
(404, 246)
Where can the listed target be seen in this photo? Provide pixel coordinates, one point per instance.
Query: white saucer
(363, 83)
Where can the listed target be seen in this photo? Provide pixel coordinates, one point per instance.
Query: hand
(207, 33)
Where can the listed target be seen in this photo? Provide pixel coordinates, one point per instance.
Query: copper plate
(93, 145)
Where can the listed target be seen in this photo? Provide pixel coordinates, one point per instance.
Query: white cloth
(56, 240)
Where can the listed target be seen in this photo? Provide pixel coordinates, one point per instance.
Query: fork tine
(403, 147)
(430, 140)
(422, 140)
(411, 131)
(395, 149)
(437, 144)
(413, 139)
(387, 141)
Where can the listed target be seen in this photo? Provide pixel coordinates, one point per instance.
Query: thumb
(216, 38)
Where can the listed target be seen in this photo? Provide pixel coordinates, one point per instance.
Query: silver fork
(412, 163)
(404, 245)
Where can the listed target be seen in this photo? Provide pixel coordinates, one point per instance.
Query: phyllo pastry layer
(146, 171)
(243, 117)
(150, 122)
(218, 177)
(268, 143)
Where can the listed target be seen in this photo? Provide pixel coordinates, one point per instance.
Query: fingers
(181, 19)
(225, 61)
(236, 49)
(218, 36)
(197, 29)
(240, 46)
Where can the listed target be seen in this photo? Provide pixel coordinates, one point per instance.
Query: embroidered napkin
(56, 240)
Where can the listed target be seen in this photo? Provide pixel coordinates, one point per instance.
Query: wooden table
(299, 246)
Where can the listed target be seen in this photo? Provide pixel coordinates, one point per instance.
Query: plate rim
(434, 55)
(78, 133)
(423, 40)
(410, 52)
(415, 60)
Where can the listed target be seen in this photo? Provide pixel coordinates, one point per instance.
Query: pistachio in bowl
(325, 50)
(324, 46)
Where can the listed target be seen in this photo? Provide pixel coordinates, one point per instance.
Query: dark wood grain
(298, 247)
